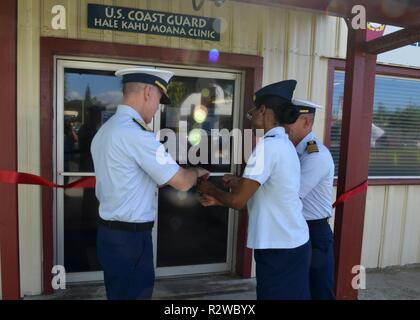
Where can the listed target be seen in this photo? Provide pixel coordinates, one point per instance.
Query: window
(395, 140)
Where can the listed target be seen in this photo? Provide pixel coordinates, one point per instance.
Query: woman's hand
(208, 201)
(231, 181)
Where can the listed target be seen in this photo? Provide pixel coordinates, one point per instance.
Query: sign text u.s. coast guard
(153, 22)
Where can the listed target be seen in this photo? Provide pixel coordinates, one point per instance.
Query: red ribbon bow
(13, 177)
(351, 193)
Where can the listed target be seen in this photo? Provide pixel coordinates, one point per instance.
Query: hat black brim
(165, 99)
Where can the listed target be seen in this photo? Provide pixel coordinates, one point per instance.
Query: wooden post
(9, 238)
(354, 159)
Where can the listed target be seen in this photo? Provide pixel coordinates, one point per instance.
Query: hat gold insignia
(312, 147)
(304, 111)
(164, 89)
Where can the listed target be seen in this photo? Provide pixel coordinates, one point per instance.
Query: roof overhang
(402, 13)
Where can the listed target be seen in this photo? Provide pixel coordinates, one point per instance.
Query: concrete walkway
(397, 283)
(390, 283)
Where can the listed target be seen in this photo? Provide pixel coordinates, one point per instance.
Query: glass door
(188, 238)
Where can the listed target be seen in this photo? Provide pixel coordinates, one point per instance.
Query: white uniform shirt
(128, 168)
(317, 176)
(275, 210)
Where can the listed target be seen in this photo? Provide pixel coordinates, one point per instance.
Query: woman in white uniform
(277, 230)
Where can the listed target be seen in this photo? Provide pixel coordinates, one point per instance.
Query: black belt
(317, 222)
(127, 226)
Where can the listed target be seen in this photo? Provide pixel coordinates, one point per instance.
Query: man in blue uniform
(130, 164)
(270, 187)
(316, 187)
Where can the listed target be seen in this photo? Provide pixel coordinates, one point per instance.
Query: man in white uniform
(130, 164)
(316, 187)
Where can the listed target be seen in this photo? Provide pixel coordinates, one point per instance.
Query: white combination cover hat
(158, 77)
(305, 106)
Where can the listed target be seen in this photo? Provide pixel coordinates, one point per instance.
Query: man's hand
(203, 174)
(231, 181)
(185, 179)
(205, 186)
(208, 201)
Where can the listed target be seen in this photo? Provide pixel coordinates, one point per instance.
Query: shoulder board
(269, 137)
(142, 125)
(312, 147)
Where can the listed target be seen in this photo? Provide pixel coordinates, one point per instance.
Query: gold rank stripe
(161, 86)
(143, 125)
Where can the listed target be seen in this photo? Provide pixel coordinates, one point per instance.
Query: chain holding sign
(153, 22)
(198, 4)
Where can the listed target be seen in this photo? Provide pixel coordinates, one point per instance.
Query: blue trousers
(283, 274)
(321, 273)
(127, 261)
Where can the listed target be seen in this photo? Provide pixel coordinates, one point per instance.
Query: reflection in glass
(190, 234)
(90, 99)
(395, 138)
(202, 104)
(80, 220)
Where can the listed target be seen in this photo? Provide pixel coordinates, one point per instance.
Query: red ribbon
(356, 190)
(13, 177)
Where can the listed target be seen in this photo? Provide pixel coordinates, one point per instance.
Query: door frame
(63, 62)
(251, 65)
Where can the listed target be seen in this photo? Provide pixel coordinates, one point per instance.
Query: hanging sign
(153, 22)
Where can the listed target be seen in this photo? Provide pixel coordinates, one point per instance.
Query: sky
(105, 88)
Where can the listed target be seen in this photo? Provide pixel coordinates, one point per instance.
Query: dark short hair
(282, 109)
